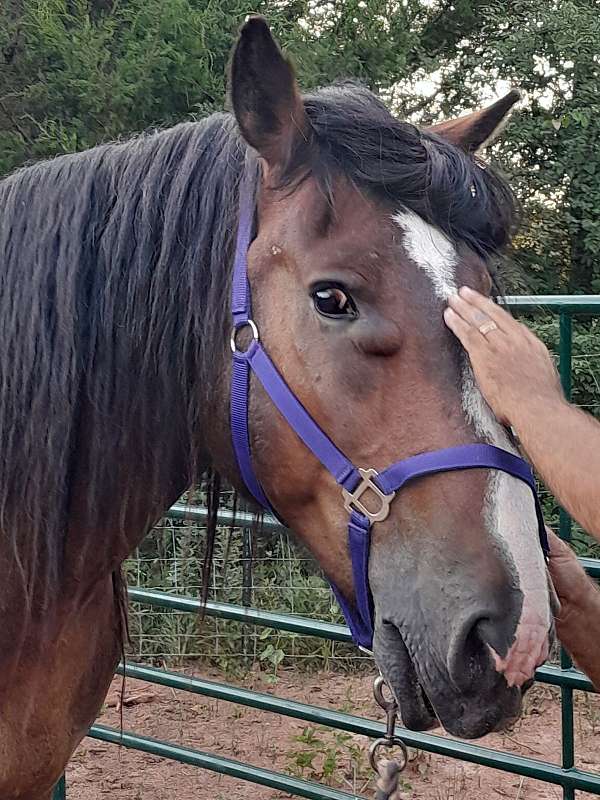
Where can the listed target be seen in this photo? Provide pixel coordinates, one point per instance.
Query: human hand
(578, 618)
(511, 365)
(570, 580)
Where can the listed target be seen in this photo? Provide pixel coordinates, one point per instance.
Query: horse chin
(420, 714)
(468, 717)
(397, 668)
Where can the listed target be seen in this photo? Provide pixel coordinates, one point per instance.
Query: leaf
(267, 652)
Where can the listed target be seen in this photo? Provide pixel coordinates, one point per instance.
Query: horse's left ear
(474, 131)
(265, 97)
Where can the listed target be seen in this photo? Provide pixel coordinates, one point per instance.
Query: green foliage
(282, 577)
(552, 52)
(77, 72)
(330, 757)
(272, 654)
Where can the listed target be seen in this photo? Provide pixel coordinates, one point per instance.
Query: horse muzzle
(453, 681)
(427, 695)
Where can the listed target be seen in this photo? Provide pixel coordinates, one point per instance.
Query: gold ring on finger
(488, 327)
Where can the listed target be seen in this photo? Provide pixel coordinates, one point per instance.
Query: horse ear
(474, 131)
(265, 97)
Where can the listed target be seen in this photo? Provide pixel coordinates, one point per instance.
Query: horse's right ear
(266, 99)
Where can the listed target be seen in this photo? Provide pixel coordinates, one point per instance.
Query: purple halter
(354, 481)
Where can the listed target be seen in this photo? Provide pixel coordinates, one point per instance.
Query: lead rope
(389, 770)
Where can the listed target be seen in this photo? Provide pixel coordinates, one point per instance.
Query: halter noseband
(354, 481)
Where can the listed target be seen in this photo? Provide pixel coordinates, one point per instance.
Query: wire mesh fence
(250, 568)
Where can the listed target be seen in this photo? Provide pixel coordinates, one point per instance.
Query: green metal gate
(565, 775)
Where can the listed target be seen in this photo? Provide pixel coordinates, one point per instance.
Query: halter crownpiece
(355, 482)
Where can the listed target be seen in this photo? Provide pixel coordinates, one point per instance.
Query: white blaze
(430, 250)
(509, 506)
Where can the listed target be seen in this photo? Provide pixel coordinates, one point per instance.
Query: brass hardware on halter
(352, 500)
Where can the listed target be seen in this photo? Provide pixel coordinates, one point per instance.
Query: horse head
(364, 226)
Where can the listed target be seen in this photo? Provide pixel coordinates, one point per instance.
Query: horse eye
(331, 301)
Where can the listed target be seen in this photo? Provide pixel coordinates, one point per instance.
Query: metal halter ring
(234, 333)
(352, 499)
(388, 704)
(395, 741)
(390, 740)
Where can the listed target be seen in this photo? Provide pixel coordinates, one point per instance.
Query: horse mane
(115, 268)
(113, 283)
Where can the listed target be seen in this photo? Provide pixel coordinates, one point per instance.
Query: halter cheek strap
(354, 482)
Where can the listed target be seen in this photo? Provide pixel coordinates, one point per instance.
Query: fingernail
(464, 291)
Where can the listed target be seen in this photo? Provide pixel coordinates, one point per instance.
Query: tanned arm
(563, 443)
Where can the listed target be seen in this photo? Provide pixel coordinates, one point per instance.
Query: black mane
(114, 265)
(114, 273)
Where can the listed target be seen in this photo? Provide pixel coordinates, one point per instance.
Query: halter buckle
(352, 499)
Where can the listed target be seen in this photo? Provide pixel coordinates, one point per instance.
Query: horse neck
(113, 505)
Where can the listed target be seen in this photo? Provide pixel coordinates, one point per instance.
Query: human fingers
(486, 305)
(469, 336)
(479, 320)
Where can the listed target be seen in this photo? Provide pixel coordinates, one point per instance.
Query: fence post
(568, 738)
(247, 581)
(60, 790)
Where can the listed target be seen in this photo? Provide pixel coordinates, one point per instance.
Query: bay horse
(115, 273)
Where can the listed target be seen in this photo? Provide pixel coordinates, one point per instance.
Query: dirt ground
(100, 770)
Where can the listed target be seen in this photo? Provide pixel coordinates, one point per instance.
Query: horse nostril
(467, 659)
(496, 632)
(469, 654)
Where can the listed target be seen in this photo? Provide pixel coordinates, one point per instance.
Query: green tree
(551, 50)
(77, 72)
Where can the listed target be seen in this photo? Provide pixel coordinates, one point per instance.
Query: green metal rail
(309, 627)
(467, 751)
(566, 677)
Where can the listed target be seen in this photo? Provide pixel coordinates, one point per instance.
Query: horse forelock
(354, 134)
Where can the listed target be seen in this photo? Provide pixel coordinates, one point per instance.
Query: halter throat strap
(354, 482)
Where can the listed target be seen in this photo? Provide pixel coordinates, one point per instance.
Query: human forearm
(563, 444)
(579, 631)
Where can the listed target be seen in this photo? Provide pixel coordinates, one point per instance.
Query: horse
(115, 372)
